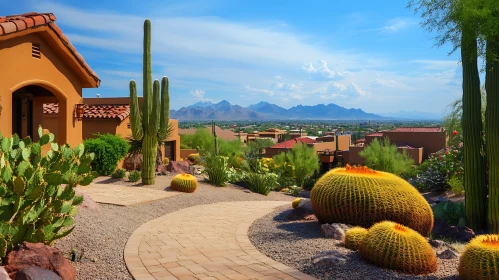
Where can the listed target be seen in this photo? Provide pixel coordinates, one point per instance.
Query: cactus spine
(151, 124)
(492, 130)
(474, 164)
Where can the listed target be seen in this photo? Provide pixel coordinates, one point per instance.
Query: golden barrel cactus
(480, 260)
(362, 197)
(394, 246)
(354, 237)
(296, 203)
(184, 183)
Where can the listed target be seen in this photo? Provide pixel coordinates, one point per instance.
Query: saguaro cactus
(152, 123)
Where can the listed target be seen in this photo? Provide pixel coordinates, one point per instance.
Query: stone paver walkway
(204, 242)
(123, 195)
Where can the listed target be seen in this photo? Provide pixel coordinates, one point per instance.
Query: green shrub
(134, 176)
(383, 156)
(299, 163)
(456, 185)
(262, 183)
(217, 169)
(38, 201)
(119, 173)
(108, 150)
(451, 212)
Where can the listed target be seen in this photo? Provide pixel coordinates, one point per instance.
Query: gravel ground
(294, 243)
(103, 232)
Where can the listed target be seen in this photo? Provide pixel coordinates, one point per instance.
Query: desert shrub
(262, 183)
(456, 185)
(451, 212)
(383, 156)
(216, 169)
(404, 249)
(119, 173)
(298, 163)
(310, 181)
(38, 200)
(361, 197)
(108, 150)
(134, 176)
(237, 176)
(184, 183)
(480, 259)
(194, 158)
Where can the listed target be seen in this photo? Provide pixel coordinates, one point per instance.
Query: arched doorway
(27, 109)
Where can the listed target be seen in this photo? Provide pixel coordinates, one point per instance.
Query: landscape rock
(335, 230)
(442, 229)
(36, 273)
(133, 162)
(179, 167)
(329, 258)
(3, 274)
(448, 253)
(298, 214)
(435, 243)
(40, 255)
(88, 202)
(310, 217)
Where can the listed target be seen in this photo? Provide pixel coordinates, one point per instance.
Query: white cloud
(323, 72)
(397, 24)
(199, 95)
(258, 90)
(277, 77)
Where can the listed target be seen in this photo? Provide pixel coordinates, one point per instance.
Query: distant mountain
(267, 111)
(413, 115)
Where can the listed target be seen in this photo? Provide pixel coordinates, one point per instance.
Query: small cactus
(394, 246)
(354, 237)
(480, 259)
(184, 183)
(296, 203)
(94, 260)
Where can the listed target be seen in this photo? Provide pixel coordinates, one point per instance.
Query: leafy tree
(383, 156)
(303, 159)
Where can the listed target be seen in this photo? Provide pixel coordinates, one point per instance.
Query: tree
(302, 158)
(383, 156)
(457, 22)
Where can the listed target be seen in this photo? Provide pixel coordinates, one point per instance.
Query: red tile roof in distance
(417, 129)
(100, 111)
(290, 143)
(17, 23)
(375, 134)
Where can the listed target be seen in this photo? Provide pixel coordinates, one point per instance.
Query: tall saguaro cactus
(152, 123)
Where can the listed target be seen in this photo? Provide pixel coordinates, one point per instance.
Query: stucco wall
(344, 142)
(184, 153)
(20, 69)
(431, 142)
(415, 154)
(354, 157)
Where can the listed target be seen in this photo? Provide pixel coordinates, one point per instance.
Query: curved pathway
(204, 242)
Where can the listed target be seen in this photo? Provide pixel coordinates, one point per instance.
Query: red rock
(40, 255)
(36, 273)
(179, 167)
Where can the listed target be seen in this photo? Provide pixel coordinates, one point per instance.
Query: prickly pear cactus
(184, 183)
(37, 200)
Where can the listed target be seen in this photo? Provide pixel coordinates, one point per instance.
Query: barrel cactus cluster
(37, 197)
(362, 197)
(395, 246)
(184, 183)
(354, 237)
(480, 259)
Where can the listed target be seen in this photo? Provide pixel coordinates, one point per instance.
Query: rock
(310, 217)
(179, 167)
(329, 258)
(36, 273)
(40, 255)
(88, 202)
(298, 214)
(163, 169)
(247, 191)
(305, 203)
(448, 253)
(335, 230)
(442, 229)
(3, 274)
(435, 243)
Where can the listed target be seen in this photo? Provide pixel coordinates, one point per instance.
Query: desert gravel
(102, 230)
(293, 243)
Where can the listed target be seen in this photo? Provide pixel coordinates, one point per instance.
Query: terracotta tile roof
(375, 134)
(100, 111)
(290, 143)
(361, 140)
(405, 146)
(417, 129)
(16, 23)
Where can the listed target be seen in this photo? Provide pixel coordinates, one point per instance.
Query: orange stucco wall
(344, 142)
(51, 72)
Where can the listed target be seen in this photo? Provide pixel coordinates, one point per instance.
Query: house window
(128, 126)
(35, 51)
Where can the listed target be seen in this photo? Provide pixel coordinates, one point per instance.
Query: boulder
(298, 214)
(36, 273)
(329, 258)
(335, 230)
(88, 202)
(179, 167)
(437, 244)
(310, 217)
(442, 229)
(40, 255)
(3, 274)
(448, 253)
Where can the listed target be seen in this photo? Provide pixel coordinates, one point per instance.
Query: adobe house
(39, 65)
(418, 142)
(110, 115)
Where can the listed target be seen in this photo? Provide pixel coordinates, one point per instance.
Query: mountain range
(267, 111)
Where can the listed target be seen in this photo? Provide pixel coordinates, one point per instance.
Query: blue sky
(357, 54)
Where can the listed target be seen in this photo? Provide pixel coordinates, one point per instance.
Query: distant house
(418, 142)
(321, 145)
